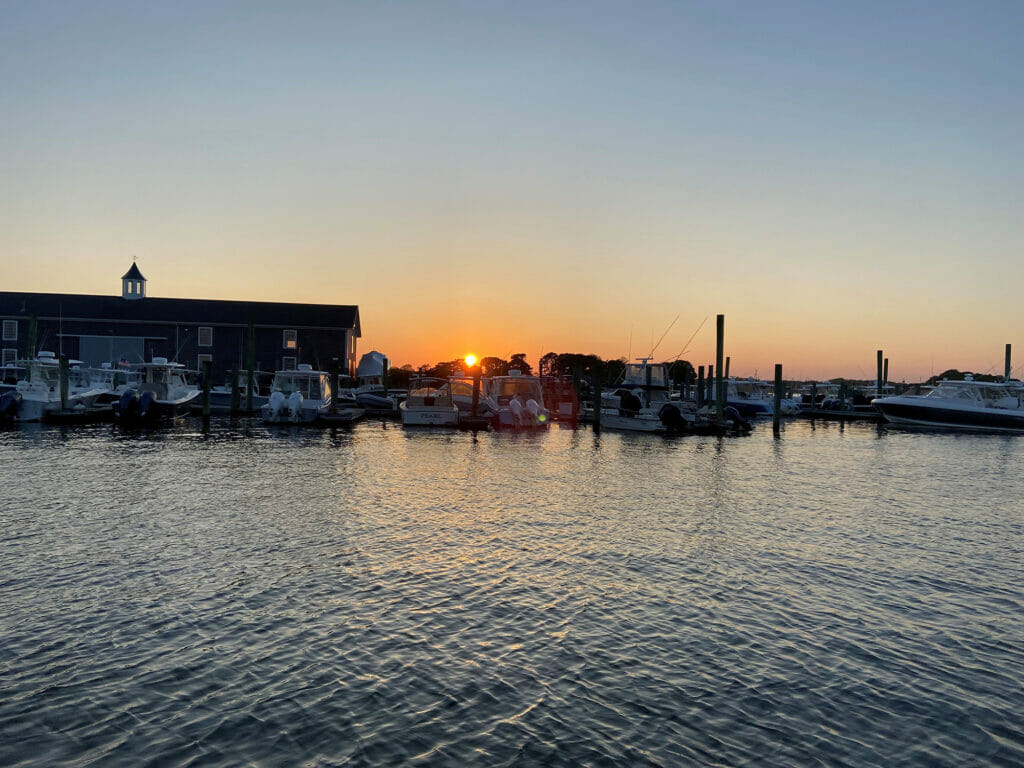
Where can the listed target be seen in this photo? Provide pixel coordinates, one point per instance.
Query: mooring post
(777, 405)
(1006, 368)
(250, 364)
(885, 375)
(236, 396)
(476, 391)
(719, 354)
(65, 373)
(814, 394)
(878, 387)
(334, 385)
(727, 361)
(709, 395)
(206, 390)
(700, 387)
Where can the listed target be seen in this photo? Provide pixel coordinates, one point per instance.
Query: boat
(225, 398)
(561, 398)
(371, 392)
(519, 400)
(298, 396)
(966, 405)
(753, 397)
(164, 393)
(114, 380)
(643, 402)
(38, 394)
(429, 404)
(462, 395)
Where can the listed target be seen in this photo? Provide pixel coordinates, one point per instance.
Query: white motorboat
(462, 395)
(968, 404)
(299, 396)
(38, 394)
(519, 400)
(163, 393)
(429, 404)
(223, 396)
(372, 393)
(644, 403)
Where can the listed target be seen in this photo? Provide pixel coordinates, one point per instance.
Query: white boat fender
(295, 404)
(517, 409)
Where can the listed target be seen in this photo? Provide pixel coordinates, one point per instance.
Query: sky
(832, 177)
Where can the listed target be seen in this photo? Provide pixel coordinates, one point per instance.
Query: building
(134, 327)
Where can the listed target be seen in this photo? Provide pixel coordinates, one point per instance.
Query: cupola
(133, 284)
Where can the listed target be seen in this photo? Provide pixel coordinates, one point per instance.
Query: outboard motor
(276, 404)
(534, 410)
(9, 404)
(738, 422)
(517, 410)
(672, 419)
(128, 405)
(295, 406)
(146, 405)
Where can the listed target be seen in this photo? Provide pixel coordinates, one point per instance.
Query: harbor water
(839, 596)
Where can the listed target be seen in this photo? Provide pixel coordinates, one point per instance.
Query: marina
(551, 597)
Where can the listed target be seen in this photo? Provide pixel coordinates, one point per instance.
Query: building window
(200, 359)
(290, 340)
(10, 330)
(10, 357)
(205, 337)
(288, 363)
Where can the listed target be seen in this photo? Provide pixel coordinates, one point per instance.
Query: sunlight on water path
(379, 597)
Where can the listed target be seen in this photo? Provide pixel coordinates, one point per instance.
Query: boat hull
(911, 412)
(429, 417)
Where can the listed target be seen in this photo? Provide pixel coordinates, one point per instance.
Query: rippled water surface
(380, 597)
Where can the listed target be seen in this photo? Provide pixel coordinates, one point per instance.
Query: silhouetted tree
(518, 362)
(682, 372)
(493, 366)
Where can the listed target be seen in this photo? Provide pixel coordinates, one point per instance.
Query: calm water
(380, 597)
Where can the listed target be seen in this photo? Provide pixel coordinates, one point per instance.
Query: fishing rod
(692, 336)
(650, 355)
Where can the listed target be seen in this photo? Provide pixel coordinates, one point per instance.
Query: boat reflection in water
(967, 404)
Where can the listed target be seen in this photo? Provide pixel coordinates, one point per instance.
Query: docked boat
(967, 404)
(164, 393)
(38, 394)
(519, 401)
(462, 395)
(643, 402)
(371, 392)
(429, 404)
(753, 397)
(299, 396)
(224, 397)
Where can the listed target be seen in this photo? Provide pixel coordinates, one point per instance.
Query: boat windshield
(969, 391)
(635, 375)
(503, 389)
(308, 386)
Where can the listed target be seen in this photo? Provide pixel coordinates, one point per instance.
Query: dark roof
(133, 273)
(191, 311)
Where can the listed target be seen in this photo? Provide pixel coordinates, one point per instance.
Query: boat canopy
(635, 375)
(371, 365)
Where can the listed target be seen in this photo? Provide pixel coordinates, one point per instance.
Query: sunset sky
(833, 177)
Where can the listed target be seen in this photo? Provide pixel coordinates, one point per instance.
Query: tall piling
(700, 387)
(65, 375)
(727, 361)
(206, 390)
(719, 355)
(476, 391)
(236, 396)
(777, 405)
(334, 385)
(1006, 366)
(878, 379)
(250, 365)
(885, 375)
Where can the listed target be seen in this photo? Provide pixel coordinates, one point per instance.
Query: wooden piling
(719, 355)
(777, 405)
(700, 387)
(885, 375)
(206, 389)
(65, 374)
(476, 391)
(878, 379)
(236, 399)
(1006, 367)
(727, 362)
(250, 364)
(334, 385)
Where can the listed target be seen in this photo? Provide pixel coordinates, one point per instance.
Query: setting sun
(470, 360)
